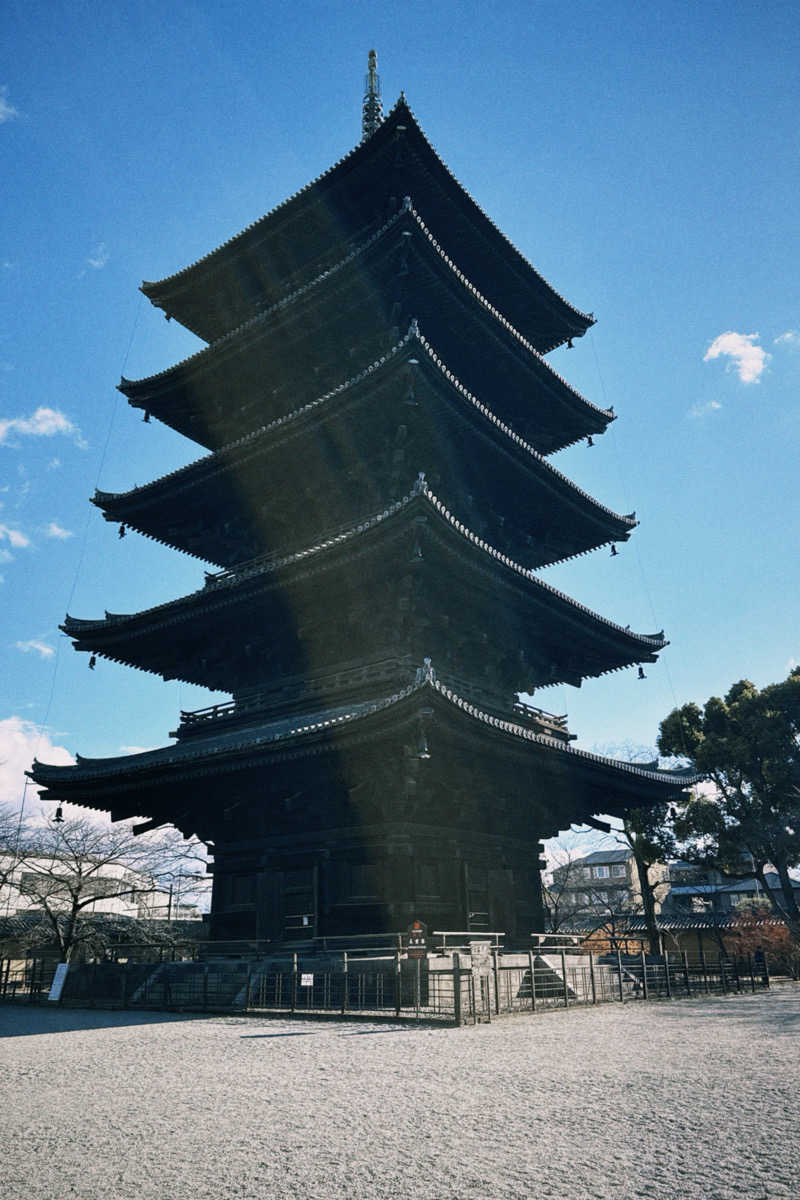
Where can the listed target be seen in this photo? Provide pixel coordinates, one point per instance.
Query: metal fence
(455, 987)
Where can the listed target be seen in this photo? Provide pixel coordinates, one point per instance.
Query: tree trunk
(648, 904)
(787, 906)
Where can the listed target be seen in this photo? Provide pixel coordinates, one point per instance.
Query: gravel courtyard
(690, 1100)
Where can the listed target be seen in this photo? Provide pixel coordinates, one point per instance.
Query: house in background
(696, 890)
(113, 890)
(603, 883)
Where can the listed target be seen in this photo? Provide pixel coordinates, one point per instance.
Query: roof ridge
(413, 333)
(262, 316)
(400, 103)
(264, 565)
(425, 677)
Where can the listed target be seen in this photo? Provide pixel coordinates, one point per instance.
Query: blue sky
(643, 157)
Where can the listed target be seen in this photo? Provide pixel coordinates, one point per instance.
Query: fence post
(496, 974)
(247, 986)
(344, 979)
(666, 974)
(533, 980)
(750, 969)
(685, 957)
(766, 972)
(723, 971)
(644, 976)
(736, 972)
(592, 979)
(123, 985)
(705, 972)
(456, 988)
(619, 975)
(564, 977)
(294, 981)
(398, 984)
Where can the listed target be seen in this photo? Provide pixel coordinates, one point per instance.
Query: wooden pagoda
(376, 498)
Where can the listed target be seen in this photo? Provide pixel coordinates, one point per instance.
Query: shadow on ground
(18, 1020)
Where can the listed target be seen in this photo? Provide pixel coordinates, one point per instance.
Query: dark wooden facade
(377, 494)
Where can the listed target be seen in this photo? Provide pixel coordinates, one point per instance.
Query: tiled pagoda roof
(115, 637)
(220, 290)
(168, 508)
(236, 749)
(287, 339)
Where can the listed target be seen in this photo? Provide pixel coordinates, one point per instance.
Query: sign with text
(57, 986)
(306, 980)
(417, 939)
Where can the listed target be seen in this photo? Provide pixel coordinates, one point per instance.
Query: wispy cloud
(44, 422)
(34, 646)
(702, 410)
(98, 257)
(54, 530)
(749, 359)
(15, 537)
(5, 555)
(7, 111)
(791, 339)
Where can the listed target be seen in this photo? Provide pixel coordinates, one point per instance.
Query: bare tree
(67, 867)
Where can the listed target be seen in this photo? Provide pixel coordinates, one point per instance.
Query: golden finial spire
(372, 108)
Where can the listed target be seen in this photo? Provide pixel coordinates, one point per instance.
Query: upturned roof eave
(222, 590)
(309, 731)
(159, 292)
(123, 505)
(256, 327)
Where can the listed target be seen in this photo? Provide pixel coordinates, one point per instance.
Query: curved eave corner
(257, 740)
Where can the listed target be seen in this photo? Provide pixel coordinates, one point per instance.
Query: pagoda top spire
(372, 106)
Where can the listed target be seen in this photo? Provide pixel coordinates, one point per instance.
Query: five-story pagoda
(376, 499)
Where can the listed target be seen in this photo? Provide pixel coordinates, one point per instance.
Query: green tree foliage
(748, 746)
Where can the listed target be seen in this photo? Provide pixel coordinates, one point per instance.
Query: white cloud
(791, 338)
(15, 537)
(20, 742)
(98, 257)
(136, 749)
(54, 530)
(45, 422)
(749, 360)
(7, 111)
(700, 410)
(36, 647)
(54, 464)
(6, 556)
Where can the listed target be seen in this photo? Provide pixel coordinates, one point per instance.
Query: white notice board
(58, 981)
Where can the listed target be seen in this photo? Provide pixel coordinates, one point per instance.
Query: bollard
(344, 979)
(666, 974)
(619, 975)
(685, 957)
(496, 974)
(398, 984)
(564, 977)
(456, 989)
(645, 995)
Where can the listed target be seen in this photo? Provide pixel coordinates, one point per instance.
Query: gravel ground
(690, 1100)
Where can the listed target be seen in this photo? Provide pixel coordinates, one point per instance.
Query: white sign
(306, 981)
(58, 981)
